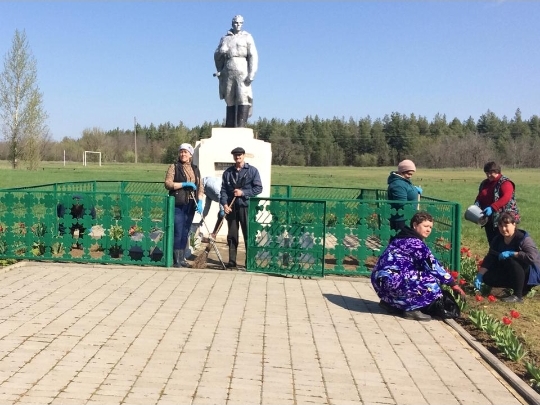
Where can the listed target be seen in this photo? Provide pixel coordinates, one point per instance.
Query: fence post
(169, 232)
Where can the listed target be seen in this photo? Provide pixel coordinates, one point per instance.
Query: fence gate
(286, 236)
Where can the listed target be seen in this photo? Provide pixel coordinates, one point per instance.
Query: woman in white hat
(183, 180)
(400, 188)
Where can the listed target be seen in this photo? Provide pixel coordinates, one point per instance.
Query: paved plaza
(98, 334)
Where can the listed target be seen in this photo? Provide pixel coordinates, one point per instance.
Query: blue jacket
(248, 180)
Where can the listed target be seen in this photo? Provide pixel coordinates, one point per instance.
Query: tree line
(330, 142)
(438, 143)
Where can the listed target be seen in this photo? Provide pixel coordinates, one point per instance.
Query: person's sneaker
(417, 316)
(390, 309)
(512, 298)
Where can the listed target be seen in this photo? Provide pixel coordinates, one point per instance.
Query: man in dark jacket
(240, 182)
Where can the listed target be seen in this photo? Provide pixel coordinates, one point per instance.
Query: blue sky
(102, 63)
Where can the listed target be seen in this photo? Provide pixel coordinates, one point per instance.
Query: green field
(459, 185)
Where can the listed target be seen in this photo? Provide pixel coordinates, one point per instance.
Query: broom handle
(223, 219)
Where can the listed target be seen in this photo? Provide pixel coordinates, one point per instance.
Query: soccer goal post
(85, 161)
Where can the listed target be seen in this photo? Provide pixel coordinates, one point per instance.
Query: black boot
(232, 257)
(242, 115)
(230, 117)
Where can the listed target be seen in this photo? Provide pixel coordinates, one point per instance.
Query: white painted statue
(236, 62)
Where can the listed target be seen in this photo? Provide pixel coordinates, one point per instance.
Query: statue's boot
(242, 115)
(230, 117)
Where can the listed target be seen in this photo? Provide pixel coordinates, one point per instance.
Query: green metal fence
(300, 230)
(346, 238)
(103, 222)
(286, 236)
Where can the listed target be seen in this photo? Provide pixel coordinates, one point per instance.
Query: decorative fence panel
(75, 223)
(286, 236)
(356, 227)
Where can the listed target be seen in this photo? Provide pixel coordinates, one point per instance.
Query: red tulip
(491, 298)
(454, 274)
(462, 282)
(506, 320)
(514, 314)
(479, 298)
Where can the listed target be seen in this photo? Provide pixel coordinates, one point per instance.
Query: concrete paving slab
(94, 334)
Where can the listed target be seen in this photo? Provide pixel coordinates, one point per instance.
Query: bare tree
(21, 104)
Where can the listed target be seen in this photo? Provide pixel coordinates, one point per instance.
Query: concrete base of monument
(213, 156)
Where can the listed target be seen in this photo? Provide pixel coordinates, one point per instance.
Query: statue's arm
(252, 58)
(219, 58)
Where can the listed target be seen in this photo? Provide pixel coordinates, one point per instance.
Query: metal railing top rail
(151, 187)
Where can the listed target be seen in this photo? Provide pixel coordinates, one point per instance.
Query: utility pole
(135, 120)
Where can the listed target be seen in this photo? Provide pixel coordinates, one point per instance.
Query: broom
(201, 260)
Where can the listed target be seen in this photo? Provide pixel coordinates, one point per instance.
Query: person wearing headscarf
(183, 180)
(400, 188)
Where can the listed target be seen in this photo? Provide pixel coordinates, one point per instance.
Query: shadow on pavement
(354, 304)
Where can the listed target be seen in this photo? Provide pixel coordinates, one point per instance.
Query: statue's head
(237, 23)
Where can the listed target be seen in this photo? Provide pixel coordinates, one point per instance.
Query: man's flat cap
(238, 150)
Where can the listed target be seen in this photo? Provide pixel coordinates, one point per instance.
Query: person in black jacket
(512, 262)
(240, 182)
(183, 180)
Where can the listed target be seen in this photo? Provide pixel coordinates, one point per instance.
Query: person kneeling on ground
(512, 262)
(407, 277)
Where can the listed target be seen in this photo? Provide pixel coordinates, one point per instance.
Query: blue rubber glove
(221, 213)
(488, 211)
(478, 280)
(199, 207)
(189, 184)
(419, 189)
(506, 255)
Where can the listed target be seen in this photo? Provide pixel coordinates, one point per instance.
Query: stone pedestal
(213, 156)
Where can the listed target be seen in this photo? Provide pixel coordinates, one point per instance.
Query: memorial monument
(236, 63)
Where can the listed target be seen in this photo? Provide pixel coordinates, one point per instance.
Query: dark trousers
(397, 225)
(509, 273)
(237, 218)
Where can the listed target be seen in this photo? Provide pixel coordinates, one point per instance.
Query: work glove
(199, 207)
(419, 189)
(488, 211)
(477, 204)
(221, 213)
(189, 184)
(506, 255)
(478, 280)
